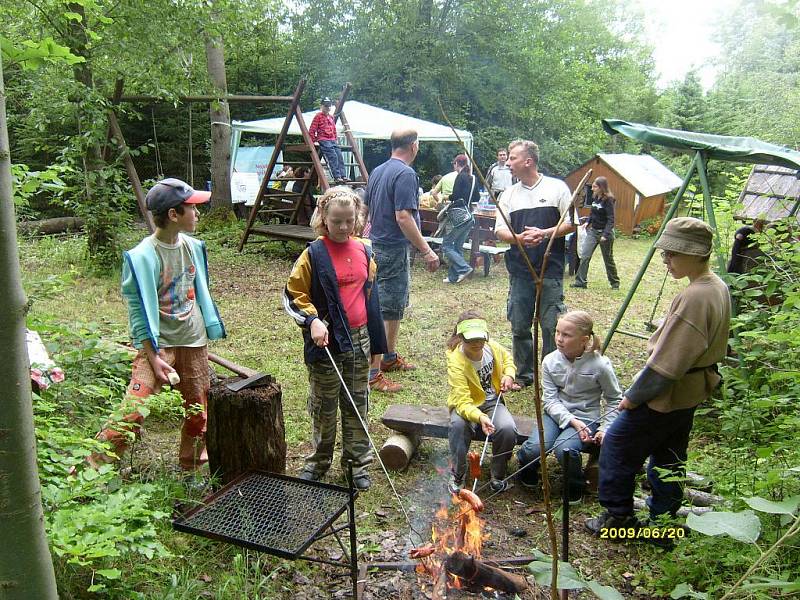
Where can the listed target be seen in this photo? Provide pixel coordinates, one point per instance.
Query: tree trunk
(26, 568)
(245, 430)
(50, 226)
(220, 128)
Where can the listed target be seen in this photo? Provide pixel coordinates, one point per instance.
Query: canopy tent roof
(366, 122)
(645, 173)
(722, 147)
(771, 193)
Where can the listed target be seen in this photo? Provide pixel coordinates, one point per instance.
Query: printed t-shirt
(484, 368)
(181, 321)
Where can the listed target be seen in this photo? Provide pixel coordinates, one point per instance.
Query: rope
(372, 443)
(159, 166)
(190, 160)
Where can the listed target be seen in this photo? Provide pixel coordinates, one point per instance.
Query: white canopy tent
(366, 123)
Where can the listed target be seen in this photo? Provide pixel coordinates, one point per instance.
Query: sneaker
(528, 478)
(447, 280)
(601, 526)
(575, 497)
(380, 383)
(362, 482)
(499, 485)
(309, 476)
(398, 364)
(614, 286)
(454, 485)
(578, 285)
(463, 276)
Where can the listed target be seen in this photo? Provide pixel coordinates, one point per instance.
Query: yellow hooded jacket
(466, 393)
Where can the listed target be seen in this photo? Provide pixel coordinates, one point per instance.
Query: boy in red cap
(171, 317)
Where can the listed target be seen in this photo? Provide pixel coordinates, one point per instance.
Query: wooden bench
(486, 251)
(413, 422)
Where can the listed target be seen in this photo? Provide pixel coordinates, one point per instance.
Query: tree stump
(245, 430)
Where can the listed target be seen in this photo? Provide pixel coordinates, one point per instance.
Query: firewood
(478, 575)
(398, 450)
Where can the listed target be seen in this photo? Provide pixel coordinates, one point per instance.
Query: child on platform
(575, 377)
(172, 317)
(479, 370)
(332, 297)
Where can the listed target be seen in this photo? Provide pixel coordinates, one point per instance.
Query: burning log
(478, 575)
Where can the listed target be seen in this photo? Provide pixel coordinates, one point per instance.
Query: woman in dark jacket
(459, 221)
(599, 230)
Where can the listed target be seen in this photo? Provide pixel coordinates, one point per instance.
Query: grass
(247, 289)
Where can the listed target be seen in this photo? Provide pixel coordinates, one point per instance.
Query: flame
(456, 527)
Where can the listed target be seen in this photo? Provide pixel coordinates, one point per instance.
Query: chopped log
(478, 575)
(640, 504)
(398, 449)
(699, 482)
(51, 226)
(698, 498)
(245, 430)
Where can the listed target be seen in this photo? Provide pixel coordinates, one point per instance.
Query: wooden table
(482, 232)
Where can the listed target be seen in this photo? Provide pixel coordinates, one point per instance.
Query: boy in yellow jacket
(479, 370)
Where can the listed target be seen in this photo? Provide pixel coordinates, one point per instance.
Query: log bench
(412, 422)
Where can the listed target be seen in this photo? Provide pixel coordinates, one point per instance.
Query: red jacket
(323, 127)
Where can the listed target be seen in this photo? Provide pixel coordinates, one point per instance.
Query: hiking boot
(310, 476)
(615, 529)
(380, 383)
(398, 364)
(499, 485)
(454, 485)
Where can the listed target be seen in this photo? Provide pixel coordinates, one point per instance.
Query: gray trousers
(590, 242)
(462, 432)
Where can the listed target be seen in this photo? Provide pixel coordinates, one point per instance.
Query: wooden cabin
(640, 183)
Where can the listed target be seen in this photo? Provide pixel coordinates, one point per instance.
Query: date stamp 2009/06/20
(642, 533)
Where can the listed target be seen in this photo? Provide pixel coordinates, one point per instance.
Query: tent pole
(649, 256)
(702, 171)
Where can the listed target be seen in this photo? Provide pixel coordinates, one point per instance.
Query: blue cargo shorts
(393, 278)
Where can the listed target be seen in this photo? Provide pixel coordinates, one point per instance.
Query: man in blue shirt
(393, 200)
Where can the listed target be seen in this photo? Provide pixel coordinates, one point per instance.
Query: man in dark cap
(657, 411)
(323, 134)
(171, 317)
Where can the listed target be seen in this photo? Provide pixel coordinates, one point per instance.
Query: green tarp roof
(722, 147)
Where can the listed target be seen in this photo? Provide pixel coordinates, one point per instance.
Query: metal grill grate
(270, 513)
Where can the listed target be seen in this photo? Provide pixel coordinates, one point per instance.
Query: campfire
(453, 558)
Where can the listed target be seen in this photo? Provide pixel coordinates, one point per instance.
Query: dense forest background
(548, 71)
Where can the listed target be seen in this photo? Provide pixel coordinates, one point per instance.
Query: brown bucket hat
(686, 235)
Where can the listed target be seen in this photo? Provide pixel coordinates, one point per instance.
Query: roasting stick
(371, 443)
(486, 441)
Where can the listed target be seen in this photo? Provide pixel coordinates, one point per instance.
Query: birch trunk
(26, 568)
(220, 127)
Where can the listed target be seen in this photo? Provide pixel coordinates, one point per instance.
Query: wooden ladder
(285, 215)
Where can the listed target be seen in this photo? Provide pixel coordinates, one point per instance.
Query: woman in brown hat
(657, 411)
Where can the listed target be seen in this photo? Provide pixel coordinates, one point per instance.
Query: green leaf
(743, 526)
(787, 507)
(685, 590)
(568, 577)
(109, 573)
(73, 16)
(764, 452)
(604, 592)
(765, 583)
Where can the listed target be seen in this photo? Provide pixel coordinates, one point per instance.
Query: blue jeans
(632, 437)
(333, 156)
(520, 309)
(452, 244)
(565, 441)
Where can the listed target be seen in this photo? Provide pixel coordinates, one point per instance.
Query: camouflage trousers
(326, 394)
